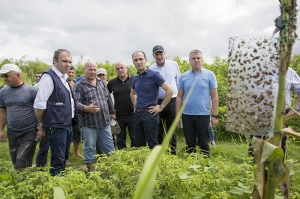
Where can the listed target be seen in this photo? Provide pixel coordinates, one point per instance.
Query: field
(228, 173)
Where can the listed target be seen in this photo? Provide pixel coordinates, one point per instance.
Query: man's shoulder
(187, 73)
(170, 62)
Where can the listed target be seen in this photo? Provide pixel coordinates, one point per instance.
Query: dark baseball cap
(157, 48)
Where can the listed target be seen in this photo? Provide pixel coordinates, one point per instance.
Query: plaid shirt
(85, 94)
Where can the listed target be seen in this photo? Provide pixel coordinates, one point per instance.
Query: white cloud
(112, 30)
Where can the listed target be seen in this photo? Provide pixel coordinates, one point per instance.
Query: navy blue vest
(58, 113)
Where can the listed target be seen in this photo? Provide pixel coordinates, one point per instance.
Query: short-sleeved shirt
(121, 92)
(85, 94)
(18, 102)
(146, 86)
(199, 101)
(171, 73)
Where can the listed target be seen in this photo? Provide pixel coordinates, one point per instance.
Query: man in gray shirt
(16, 110)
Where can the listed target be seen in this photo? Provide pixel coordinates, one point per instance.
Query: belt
(142, 109)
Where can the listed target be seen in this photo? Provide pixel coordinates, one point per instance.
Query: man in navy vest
(55, 109)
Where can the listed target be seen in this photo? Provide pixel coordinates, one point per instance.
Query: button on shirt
(171, 73)
(85, 94)
(46, 88)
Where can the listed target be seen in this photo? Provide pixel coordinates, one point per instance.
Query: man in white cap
(16, 110)
(102, 74)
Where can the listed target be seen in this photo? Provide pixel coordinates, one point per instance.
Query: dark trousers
(145, 129)
(196, 126)
(60, 141)
(41, 158)
(125, 121)
(167, 116)
(22, 146)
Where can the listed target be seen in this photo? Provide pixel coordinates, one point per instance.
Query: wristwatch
(161, 106)
(215, 116)
(297, 108)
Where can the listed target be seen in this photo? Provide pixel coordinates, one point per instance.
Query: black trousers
(196, 127)
(167, 116)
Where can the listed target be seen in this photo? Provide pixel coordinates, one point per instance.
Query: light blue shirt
(199, 101)
(171, 73)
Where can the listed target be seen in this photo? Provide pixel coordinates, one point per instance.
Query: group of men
(145, 104)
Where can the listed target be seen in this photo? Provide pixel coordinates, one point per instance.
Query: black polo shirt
(121, 91)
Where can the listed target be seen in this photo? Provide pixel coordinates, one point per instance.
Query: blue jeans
(125, 121)
(196, 126)
(211, 134)
(145, 129)
(91, 135)
(60, 141)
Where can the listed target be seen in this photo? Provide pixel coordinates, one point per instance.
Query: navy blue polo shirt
(146, 86)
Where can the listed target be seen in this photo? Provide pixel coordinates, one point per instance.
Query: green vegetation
(228, 173)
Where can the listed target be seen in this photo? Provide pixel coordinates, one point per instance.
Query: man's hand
(92, 108)
(155, 109)
(41, 134)
(2, 136)
(113, 116)
(214, 122)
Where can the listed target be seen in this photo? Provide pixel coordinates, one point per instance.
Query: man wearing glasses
(38, 76)
(16, 110)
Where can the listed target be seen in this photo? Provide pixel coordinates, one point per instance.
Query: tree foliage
(219, 67)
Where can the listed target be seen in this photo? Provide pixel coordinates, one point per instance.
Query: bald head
(121, 70)
(90, 70)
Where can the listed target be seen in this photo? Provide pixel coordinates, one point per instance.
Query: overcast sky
(112, 30)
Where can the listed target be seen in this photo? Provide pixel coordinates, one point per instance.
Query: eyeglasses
(5, 76)
(37, 76)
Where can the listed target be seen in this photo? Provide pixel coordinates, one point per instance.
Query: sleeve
(78, 97)
(2, 105)
(213, 81)
(133, 84)
(180, 83)
(177, 73)
(110, 103)
(109, 86)
(295, 81)
(45, 90)
(159, 79)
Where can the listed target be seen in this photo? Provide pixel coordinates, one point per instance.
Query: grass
(235, 150)
(228, 166)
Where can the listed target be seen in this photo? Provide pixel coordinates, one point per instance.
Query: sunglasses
(37, 76)
(5, 76)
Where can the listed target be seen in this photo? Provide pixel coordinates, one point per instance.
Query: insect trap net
(253, 80)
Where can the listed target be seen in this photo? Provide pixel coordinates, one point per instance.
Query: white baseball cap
(101, 71)
(10, 67)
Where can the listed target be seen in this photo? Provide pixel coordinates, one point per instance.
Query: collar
(146, 71)
(59, 74)
(128, 76)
